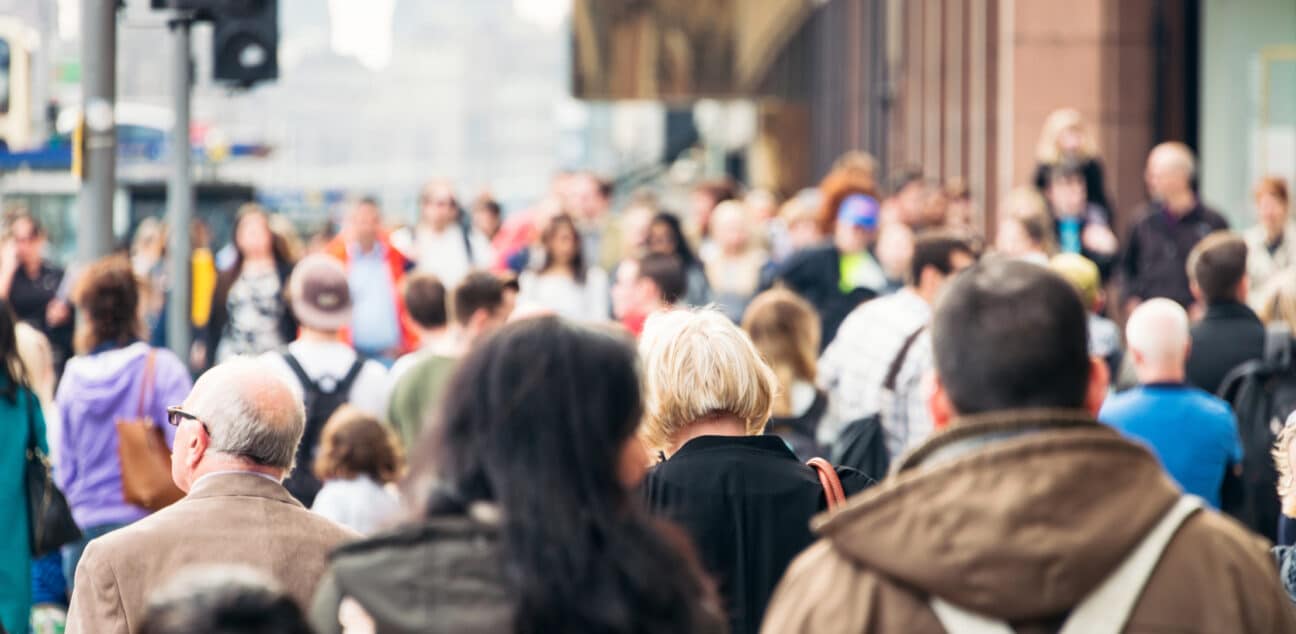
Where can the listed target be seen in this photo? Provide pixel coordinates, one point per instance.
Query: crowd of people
(847, 411)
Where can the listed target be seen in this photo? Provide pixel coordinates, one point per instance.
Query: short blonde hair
(697, 364)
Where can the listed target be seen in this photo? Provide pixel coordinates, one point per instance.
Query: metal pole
(98, 89)
(179, 193)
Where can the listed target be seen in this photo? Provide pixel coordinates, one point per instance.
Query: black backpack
(322, 397)
(1262, 394)
(862, 444)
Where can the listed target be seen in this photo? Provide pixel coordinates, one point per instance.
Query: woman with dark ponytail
(529, 523)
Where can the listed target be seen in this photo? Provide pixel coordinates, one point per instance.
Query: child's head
(354, 444)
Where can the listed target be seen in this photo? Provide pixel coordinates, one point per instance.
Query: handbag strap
(32, 445)
(831, 484)
(146, 386)
(1108, 607)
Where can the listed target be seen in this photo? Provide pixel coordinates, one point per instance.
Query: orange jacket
(396, 264)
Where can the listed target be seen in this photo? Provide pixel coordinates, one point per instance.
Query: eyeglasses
(175, 416)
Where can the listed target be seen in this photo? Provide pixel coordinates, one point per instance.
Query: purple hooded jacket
(96, 391)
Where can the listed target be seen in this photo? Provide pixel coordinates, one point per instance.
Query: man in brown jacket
(237, 434)
(1025, 505)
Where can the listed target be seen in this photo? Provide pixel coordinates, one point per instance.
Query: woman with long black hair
(666, 236)
(529, 523)
(21, 416)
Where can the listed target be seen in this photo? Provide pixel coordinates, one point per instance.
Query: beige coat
(241, 519)
(1020, 528)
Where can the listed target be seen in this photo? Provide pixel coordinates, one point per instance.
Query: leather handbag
(142, 450)
(49, 519)
(831, 484)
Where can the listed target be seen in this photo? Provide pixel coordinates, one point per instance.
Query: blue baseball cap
(859, 210)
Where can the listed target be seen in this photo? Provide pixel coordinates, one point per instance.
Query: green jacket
(15, 552)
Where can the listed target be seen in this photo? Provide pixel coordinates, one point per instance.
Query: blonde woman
(1066, 137)
(744, 497)
(785, 330)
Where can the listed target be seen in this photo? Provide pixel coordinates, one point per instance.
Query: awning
(679, 50)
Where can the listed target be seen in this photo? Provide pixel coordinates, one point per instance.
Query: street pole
(179, 192)
(98, 89)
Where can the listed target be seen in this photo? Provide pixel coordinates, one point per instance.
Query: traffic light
(245, 40)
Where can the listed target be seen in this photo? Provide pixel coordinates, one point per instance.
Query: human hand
(57, 312)
(1099, 239)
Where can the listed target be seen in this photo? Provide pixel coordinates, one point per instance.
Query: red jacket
(396, 264)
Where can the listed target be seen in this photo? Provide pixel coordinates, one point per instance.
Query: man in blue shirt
(1192, 433)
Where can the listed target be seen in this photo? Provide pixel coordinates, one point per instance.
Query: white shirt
(333, 359)
(855, 364)
(442, 253)
(358, 503)
(567, 297)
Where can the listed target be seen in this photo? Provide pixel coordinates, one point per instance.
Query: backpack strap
(1108, 607)
(344, 386)
(893, 371)
(300, 372)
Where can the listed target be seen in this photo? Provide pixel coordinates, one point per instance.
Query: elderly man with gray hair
(1193, 433)
(236, 436)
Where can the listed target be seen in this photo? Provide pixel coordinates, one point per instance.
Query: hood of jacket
(101, 381)
(445, 573)
(1014, 515)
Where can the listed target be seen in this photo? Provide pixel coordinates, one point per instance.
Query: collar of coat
(1016, 515)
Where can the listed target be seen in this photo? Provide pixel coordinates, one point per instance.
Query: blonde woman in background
(1025, 227)
(785, 330)
(1066, 137)
(1278, 305)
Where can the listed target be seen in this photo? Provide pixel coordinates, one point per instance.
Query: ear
(196, 444)
(1196, 292)
(1243, 289)
(1099, 380)
(939, 405)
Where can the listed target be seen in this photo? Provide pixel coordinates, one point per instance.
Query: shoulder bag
(142, 450)
(49, 519)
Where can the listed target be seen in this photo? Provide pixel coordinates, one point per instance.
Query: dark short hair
(1009, 334)
(1217, 265)
(425, 300)
(38, 230)
(490, 205)
(479, 290)
(936, 249)
(1066, 170)
(223, 604)
(667, 272)
(353, 444)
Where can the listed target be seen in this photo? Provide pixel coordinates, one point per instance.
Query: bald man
(1154, 263)
(236, 436)
(1193, 433)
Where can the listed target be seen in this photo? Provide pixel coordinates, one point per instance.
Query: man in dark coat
(1229, 334)
(1153, 264)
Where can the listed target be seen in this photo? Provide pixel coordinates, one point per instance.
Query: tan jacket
(240, 518)
(1017, 518)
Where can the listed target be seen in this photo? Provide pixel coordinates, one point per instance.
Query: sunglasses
(175, 416)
